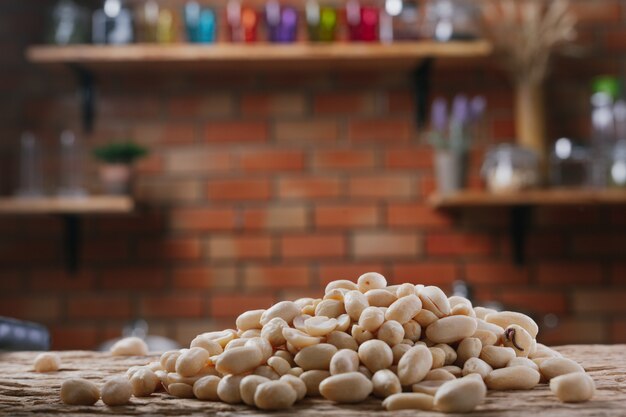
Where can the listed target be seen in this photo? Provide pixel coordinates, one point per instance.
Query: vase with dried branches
(525, 34)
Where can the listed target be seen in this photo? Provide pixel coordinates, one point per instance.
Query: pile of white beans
(410, 345)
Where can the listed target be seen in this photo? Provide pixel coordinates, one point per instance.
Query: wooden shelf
(152, 56)
(552, 197)
(67, 206)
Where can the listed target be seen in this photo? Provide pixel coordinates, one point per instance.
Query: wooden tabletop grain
(24, 392)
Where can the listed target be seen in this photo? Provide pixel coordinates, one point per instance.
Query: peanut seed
(76, 391)
(351, 387)
(47, 362)
(573, 388)
(409, 401)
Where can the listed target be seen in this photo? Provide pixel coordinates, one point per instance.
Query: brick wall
(265, 186)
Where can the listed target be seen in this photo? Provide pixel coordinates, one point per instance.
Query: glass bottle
(71, 166)
(30, 177)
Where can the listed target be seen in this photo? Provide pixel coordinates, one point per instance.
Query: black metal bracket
(87, 96)
(71, 241)
(421, 90)
(519, 225)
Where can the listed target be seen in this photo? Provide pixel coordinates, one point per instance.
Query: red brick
(401, 102)
(276, 218)
(144, 222)
(207, 105)
(384, 131)
(310, 130)
(416, 215)
(618, 331)
(459, 244)
(60, 280)
(599, 244)
(239, 189)
(597, 12)
(170, 306)
(197, 160)
(203, 277)
(541, 245)
(618, 274)
(534, 301)
(99, 307)
(571, 272)
(503, 128)
(178, 133)
(342, 103)
(273, 104)
(11, 281)
(427, 273)
(28, 252)
(163, 190)
(125, 107)
(105, 250)
(270, 161)
(343, 159)
(599, 301)
(276, 277)
(567, 216)
(309, 188)
(135, 278)
(381, 186)
(36, 308)
(170, 249)
(313, 246)
(409, 158)
(386, 244)
(74, 337)
(352, 271)
(232, 305)
(495, 273)
(574, 331)
(240, 247)
(346, 216)
(200, 219)
(227, 132)
(150, 165)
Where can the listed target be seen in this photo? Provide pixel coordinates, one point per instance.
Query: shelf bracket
(71, 242)
(519, 224)
(87, 96)
(421, 90)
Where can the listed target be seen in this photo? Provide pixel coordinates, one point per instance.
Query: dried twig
(526, 32)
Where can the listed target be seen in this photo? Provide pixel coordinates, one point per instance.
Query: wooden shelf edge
(64, 205)
(553, 197)
(258, 52)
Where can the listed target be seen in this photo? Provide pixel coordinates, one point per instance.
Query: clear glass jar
(510, 168)
(570, 166)
(617, 173)
(69, 24)
(30, 171)
(452, 20)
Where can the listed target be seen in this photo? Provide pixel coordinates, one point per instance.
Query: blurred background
(208, 169)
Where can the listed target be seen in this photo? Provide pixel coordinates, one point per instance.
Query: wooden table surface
(25, 392)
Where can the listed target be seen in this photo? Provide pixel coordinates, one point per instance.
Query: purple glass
(460, 109)
(439, 114)
(288, 25)
(478, 105)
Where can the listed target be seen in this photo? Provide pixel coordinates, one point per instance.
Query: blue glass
(200, 23)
